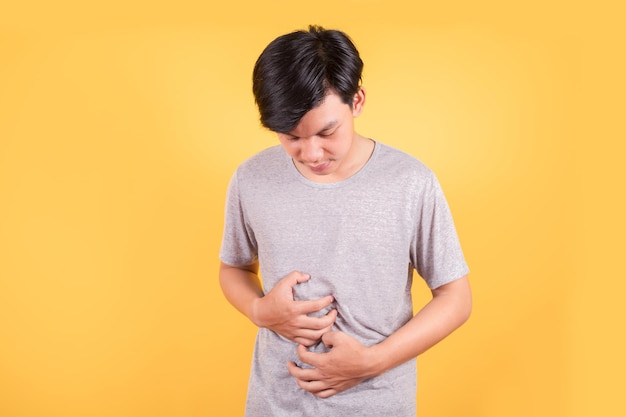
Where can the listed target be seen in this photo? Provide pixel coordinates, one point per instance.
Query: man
(335, 223)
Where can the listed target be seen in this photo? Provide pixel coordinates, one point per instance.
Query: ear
(358, 102)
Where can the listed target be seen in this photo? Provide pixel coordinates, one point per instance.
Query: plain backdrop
(121, 123)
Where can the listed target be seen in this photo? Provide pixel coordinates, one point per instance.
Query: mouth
(319, 167)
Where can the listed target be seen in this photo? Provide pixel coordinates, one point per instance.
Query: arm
(277, 310)
(348, 362)
(241, 286)
(449, 308)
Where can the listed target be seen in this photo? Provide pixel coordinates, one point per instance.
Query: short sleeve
(238, 243)
(436, 251)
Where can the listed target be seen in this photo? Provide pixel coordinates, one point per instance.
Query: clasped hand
(344, 366)
(278, 311)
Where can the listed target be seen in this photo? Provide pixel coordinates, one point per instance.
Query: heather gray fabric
(359, 239)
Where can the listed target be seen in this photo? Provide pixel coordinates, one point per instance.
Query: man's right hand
(278, 311)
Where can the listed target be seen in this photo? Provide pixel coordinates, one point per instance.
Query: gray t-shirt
(359, 239)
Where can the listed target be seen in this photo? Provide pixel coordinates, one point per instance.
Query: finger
(310, 358)
(313, 387)
(303, 374)
(332, 316)
(311, 306)
(320, 389)
(300, 277)
(309, 341)
(292, 279)
(308, 337)
(317, 323)
(330, 339)
(308, 380)
(294, 370)
(326, 393)
(305, 341)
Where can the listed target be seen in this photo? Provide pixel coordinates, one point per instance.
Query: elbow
(465, 305)
(459, 299)
(456, 301)
(466, 310)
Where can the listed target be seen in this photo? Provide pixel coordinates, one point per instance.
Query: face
(324, 145)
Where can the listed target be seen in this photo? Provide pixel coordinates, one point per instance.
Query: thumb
(330, 339)
(298, 278)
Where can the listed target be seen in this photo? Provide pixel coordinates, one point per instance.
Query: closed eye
(289, 137)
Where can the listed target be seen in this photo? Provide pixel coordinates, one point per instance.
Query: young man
(335, 223)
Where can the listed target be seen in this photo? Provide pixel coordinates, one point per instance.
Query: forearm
(449, 308)
(241, 287)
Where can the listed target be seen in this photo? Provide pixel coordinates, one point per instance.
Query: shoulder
(267, 160)
(264, 172)
(401, 165)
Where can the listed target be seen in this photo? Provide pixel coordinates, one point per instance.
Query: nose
(311, 150)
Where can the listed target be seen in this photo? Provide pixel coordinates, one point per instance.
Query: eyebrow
(328, 126)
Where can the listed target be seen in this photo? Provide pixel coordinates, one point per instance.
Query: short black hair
(295, 72)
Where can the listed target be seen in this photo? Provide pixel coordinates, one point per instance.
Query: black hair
(295, 72)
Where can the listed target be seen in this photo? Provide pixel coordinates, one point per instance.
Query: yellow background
(121, 123)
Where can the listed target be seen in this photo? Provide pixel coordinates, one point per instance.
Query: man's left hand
(346, 364)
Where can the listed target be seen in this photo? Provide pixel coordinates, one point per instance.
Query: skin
(325, 148)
